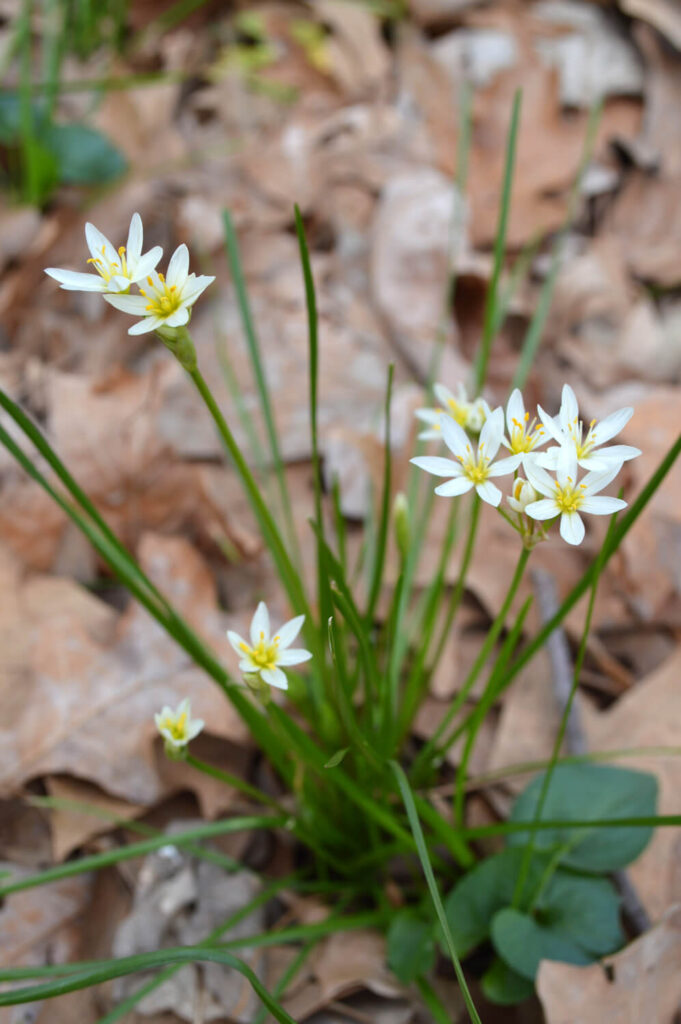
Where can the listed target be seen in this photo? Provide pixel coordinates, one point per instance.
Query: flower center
(163, 301)
(458, 411)
(525, 435)
(568, 497)
(108, 269)
(176, 726)
(583, 447)
(476, 470)
(264, 654)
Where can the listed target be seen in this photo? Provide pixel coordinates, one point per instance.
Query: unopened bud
(401, 524)
(522, 495)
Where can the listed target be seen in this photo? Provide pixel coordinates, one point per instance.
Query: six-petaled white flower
(115, 269)
(265, 654)
(178, 727)
(566, 497)
(164, 301)
(471, 470)
(468, 414)
(524, 435)
(567, 429)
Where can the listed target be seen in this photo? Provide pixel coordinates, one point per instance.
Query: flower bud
(522, 495)
(401, 524)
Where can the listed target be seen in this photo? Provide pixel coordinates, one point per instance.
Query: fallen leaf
(643, 982)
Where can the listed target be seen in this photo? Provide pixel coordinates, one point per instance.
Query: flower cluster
(163, 301)
(551, 487)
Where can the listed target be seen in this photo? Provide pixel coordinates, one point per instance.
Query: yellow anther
(527, 416)
(149, 280)
(121, 250)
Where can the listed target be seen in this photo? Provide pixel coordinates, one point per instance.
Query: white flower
(522, 495)
(116, 271)
(565, 497)
(471, 470)
(470, 415)
(567, 428)
(523, 435)
(164, 301)
(266, 653)
(178, 727)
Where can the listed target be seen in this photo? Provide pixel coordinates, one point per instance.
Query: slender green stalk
(235, 782)
(458, 591)
(287, 571)
(484, 706)
(384, 522)
(560, 736)
(251, 335)
(430, 748)
(499, 249)
(538, 322)
(424, 857)
(506, 828)
(182, 839)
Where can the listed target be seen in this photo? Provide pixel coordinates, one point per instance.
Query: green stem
(460, 583)
(287, 571)
(482, 657)
(235, 782)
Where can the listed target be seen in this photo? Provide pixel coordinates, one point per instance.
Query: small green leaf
(84, 155)
(590, 791)
(504, 986)
(336, 758)
(477, 897)
(523, 943)
(576, 919)
(411, 946)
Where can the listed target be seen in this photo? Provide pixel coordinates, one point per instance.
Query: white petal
(289, 631)
(237, 642)
(611, 425)
(455, 437)
(99, 245)
(293, 656)
(504, 466)
(515, 409)
(178, 268)
(76, 281)
(150, 323)
(566, 464)
(142, 267)
(569, 410)
(117, 283)
(195, 287)
(540, 479)
(454, 487)
(602, 505)
(428, 416)
(596, 481)
(444, 395)
(275, 677)
(544, 509)
(177, 319)
(248, 665)
(134, 304)
(571, 528)
(489, 492)
(550, 425)
(184, 708)
(431, 434)
(133, 250)
(547, 459)
(492, 433)
(260, 625)
(618, 452)
(194, 728)
(437, 466)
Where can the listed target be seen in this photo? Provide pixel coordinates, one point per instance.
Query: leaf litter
(360, 128)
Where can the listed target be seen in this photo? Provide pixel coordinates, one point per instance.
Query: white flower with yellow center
(178, 727)
(471, 470)
(470, 415)
(164, 301)
(265, 654)
(524, 435)
(567, 428)
(566, 497)
(115, 269)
